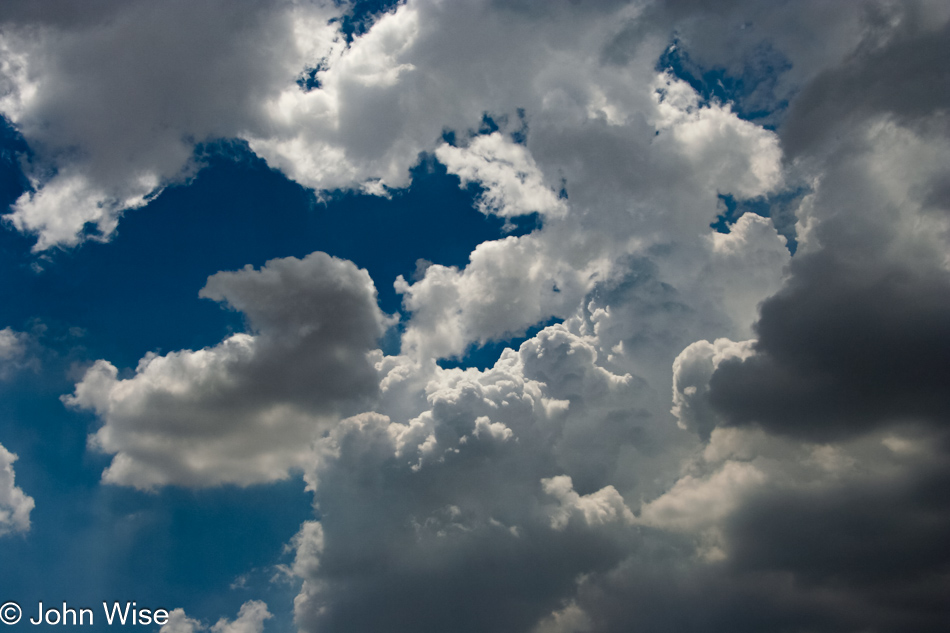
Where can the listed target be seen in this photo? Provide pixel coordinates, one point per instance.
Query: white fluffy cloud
(15, 506)
(513, 183)
(245, 410)
(109, 126)
(604, 506)
(251, 618)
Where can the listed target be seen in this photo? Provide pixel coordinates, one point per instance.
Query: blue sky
(487, 316)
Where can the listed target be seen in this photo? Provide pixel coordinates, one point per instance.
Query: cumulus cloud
(251, 618)
(858, 337)
(513, 183)
(245, 410)
(178, 622)
(473, 501)
(15, 506)
(553, 491)
(692, 370)
(109, 127)
(597, 508)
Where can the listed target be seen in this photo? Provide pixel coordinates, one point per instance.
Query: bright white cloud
(178, 622)
(695, 503)
(15, 506)
(604, 506)
(109, 126)
(737, 156)
(513, 183)
(251, 618)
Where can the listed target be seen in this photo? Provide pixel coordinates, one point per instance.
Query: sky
(477, 316)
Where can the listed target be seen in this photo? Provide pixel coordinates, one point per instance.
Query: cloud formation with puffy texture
(716, 397)
(244, 410)
(15, 505)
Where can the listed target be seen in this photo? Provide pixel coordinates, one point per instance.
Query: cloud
(554, 491)
(513, 183)
(604, 506)
(108, 126)
(250, 619)
(178, 622)
(15, 506)
(474, 501)
(381, 100)
(835, 408)
(695, 503)
(15, 352)
(875, 349)
(858, 337)
(899, 72)
(245, 410)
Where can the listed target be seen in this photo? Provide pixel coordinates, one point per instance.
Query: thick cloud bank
(710, 434)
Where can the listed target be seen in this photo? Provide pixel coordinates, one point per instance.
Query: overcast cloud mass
(694, 376)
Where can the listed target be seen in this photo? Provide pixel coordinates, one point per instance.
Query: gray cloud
(245, 410)
(841, 350)
(903, 72)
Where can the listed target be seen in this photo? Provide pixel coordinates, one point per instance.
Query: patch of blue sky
(779, 207)
(751, 93)
(362, 15)
(308, 80)
(486, 355)
(13, 149)
(491, 123)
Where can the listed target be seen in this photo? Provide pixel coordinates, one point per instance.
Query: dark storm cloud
(938, 195)
(488, 581)
(651, 594)
(906, 76)
(877, 549)
(842, 349)
(872, 536)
